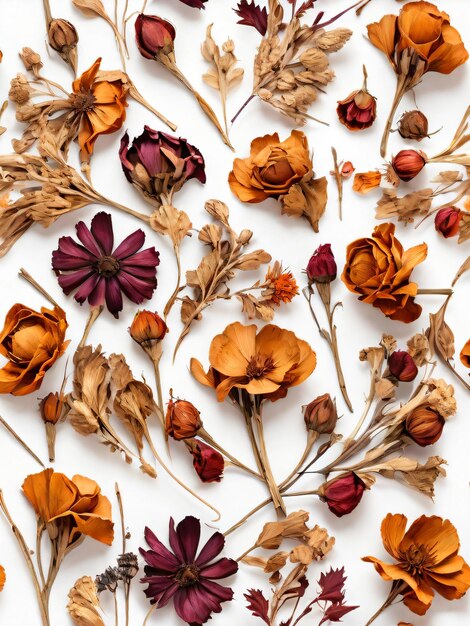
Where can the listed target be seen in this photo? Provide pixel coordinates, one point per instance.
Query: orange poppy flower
(465, 354)
(102, 105)
(427, 560)
(74, 506)
(265, 364)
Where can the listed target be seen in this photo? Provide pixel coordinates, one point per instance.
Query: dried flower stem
(401, 88)
(95, 312)
(152, 608)
(435, 292)
(21, 442)
(47, 12)
(174, 295)
(339, 181)
(398, 587)
(205, 436)
(126, 581)
(27, 276)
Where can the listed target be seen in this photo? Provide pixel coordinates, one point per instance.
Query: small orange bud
(51, 407)
(320, 415)
(182, 420)
(147, 329)
(424, 425)
(408, 164)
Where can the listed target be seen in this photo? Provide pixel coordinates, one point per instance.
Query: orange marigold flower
(283, 285)
(366, 181)
(427, 560)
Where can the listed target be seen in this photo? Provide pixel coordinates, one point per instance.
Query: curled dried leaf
(84, 605)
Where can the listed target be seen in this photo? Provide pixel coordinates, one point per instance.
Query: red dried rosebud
(408, 164)
(424, 425)
(402, 366)
(195, 4)
(347, 169)
(153, 35)
(208, 463)
(322, 265)
(320, 415)
(343, 494)
(447, 221)
(182, 420)
(358, 111)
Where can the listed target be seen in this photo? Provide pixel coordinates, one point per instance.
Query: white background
(147, 502)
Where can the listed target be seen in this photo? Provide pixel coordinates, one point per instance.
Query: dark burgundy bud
(343, 494)
(447, 221)
(153, 35)
(208, 462)
(322, 265)
(402, 366)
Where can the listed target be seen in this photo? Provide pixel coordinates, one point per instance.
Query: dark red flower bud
(153, 35)
(343, 494)
(402, 366)
(447, 221)
(195, 4)
(320, 415)
(208, 463)
(182, 420)
(408, 164)
(424, 425)
(358, 111)
(322, 265)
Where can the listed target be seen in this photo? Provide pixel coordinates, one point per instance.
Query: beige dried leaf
(219, 211)
(462, 269)
(255, 308)
(440, 335)
(418, 349)
(405, 209)
(464, 227)
(414, 474)
(83, 605)
(301, 554)
(332, 40)
(91, 8)
(293, 527)
(170, 221)
(252, 260)
(448, 176)
(319, 541)
(307, 199)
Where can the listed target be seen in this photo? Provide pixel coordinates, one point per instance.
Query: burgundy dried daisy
(184, 577)
(100, 274)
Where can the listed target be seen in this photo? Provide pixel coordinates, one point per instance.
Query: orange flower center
(278, 172)
(187, 575)
(26, 341)
(415, 559)
(83, 101)
(285, 288)
(107, 266)
(259, 366)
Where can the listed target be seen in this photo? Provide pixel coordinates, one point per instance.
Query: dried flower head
(108, 580)
(343, 493)
(83, 605)
(413, 125)
(322, 267)
(359, 110)
(183, 420)
(407, 164)
(128, 566)
(447, 221)
(418, 348)
(320, 415)
(424, 425)
(208, 463)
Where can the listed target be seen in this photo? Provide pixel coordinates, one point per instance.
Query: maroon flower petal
(135, 289)
(189, 533)
(175, 543)
(130, 245)
(86, 288)
(218, 592)
(213, 547)
(97, 296)
(159, 589)
(127, 166)
(146, 257)
(220, 569)
(113, 296)
(69, 247)
(87, 239)
(160, 550)
(71, 281)
(146, 273)
(102, 231)
(192, 607)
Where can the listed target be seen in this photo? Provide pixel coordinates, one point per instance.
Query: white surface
(444, 100)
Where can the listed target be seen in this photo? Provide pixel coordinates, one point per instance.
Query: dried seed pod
(63, 38)
(413, 125)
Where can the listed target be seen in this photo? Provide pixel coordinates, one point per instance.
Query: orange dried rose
(366, 181)
(73, 507)
(465, 354)
(265, 364)
(272, 167)
(427, 560)
(32, 341)
(378, 270)
(102, 105)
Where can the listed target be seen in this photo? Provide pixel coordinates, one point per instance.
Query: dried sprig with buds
(341, 171)
(288, 569)
(226, 257)
(321, 272)
(292, 63)
(223, 74)
(53, 410)
(62, 37)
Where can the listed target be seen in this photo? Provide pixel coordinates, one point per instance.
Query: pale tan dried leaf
(254, 308)
(332, 40)
(301, 554)
(170, 221)
(219, 211)
(91, 8)
(319, 541)
(273, 533)
(211, 78)
(307, 199)
(405, 209)
(83, 605)
(464, 227)
(202, 277)
(211, 235)
(252, 260)
(418, 348)
(254, 561)
(462, 269)
(448, 176)
(440, 335)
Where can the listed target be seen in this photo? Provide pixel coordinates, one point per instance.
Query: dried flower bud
(314, 59)
(31, 60)
(147, 329)
(413, 125)
(347, 169)
(424, 425)
(153, 35)
(63, 38)
(418, 347)
(359, 110)
(182, 420)
(343, 494)
(320, 415)
(402, 366)
(20, 90)
(447, 221)
(51, 408)
(208, 463)
(408, 164)
(107, 580)
(128, 566)
(322, 265)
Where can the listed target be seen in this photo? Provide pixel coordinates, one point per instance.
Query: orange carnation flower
(427, 561)
(265, 364)
(71, 507)
(32, 341)
(378, 269)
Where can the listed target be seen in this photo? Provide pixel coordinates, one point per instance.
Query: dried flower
(270, 362)
(51, 407)
(413, 125)
(418, 348)
(366, 181)
(347, 169)
(378, 269)
(402, 366)
(430, 546)
(32, 342)
(128, 566)
(408, 163)
(207, 461)
(465, 354)
(184, 577)
(195, 4)
(158, 164)
(109, 580)
(31, 60)
(321, 267)
(279, 286)
(83, 603)
(99, 273)
(182, 420)
(359, 110)
(147, 329)
(343, 493)
(447, 221)
(424, 425)
(153, 35)
(320, 415)
(63, 38)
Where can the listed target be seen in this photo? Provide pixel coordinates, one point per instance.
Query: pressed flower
(359, 110)
(185, 576)
(32, 341)
(264, 363)
(465, 354)
(207, 461)
(366, 181)
(427, 561)
(402, 366)
(100, 274)
(282, 284)
(378, 270)
(343, 494)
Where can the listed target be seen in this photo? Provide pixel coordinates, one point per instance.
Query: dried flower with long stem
(223, 74)
(292, 62)
(67, 511)
(432, 46)
(427, 561)
(53, 409)
(321, 272)
(359, 110)
(62, 37)
(155, 39)
(341, 171)
(226, 257)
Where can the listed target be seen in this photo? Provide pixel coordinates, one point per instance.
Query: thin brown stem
(27, 276)
(20, 441)
(205, 436)
(245, 104)
(435, 292)
(47, 12)
(150, 611)
(397, 589)
(95, 312)
(399, 93)
(172, 298)
(121, 516)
